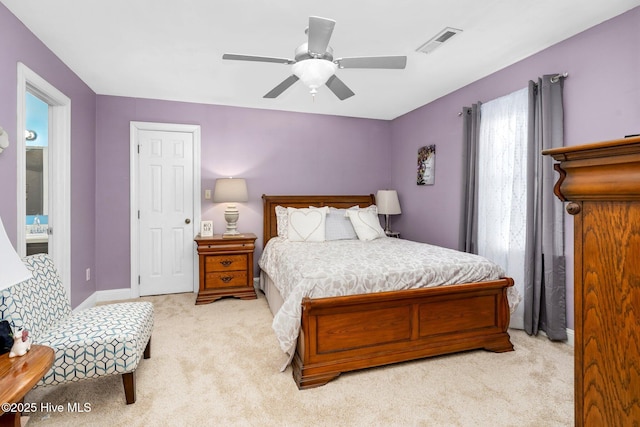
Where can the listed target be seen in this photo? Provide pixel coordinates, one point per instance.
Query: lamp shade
(387, 202)
(12, 269)
(230, 190)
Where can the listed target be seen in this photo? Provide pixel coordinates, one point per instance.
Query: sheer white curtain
(502, 187)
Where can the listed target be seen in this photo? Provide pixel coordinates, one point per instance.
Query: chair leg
(129, 381)
(147, 350)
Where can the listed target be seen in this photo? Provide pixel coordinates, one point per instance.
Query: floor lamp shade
(388, 204)
(231, 191)
(12, 269)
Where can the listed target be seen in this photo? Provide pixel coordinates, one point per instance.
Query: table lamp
(230, 191)
(388, 204)
(12, 269)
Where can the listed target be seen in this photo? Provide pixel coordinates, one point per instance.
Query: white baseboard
(571, 341)
(105, 296)
(114, 295)
(88, 303)
(571, 337)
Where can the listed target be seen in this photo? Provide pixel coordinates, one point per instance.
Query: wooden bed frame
(346, 333)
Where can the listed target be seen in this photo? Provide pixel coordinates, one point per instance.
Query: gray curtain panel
(545, 283)
(545, 288)
(469, 223)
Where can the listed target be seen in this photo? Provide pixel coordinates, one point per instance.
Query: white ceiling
(172, 49)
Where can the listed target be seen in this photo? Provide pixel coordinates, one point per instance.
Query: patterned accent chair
(102, 340)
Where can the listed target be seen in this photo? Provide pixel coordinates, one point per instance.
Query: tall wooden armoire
(601, 182)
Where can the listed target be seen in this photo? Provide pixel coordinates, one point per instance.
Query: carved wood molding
(602, 171)
(556, 188)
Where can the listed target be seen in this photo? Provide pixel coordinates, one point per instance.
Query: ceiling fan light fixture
(314, 65)
(314, 72)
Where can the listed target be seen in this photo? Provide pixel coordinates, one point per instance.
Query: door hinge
(138, 280)
(138, 213)
(138, 148)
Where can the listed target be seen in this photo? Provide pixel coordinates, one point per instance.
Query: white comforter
(347, 267)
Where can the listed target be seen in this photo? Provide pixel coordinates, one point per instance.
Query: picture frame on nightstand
(206, 228)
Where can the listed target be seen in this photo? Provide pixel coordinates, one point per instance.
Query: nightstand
(226, 267)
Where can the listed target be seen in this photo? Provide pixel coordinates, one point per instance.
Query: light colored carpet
(218, 364)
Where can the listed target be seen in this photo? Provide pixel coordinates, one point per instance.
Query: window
(502, 187)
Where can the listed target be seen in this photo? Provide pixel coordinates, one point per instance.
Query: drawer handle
(226, 279)
(226, 263)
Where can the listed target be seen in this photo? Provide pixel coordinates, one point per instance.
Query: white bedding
(348, 267)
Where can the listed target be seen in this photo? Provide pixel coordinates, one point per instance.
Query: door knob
(187, 221)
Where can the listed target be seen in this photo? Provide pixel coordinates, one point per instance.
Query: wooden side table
(18, 375)
(226, 267)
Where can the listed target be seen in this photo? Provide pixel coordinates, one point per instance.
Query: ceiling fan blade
(273, 93)
(319, 34)
(387, 62)
(237, 57)
(338, 87)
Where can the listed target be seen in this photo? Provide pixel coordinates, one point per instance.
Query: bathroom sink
(37, 237)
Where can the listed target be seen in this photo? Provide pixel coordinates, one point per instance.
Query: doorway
(165, 207)
(55, 176)
(37, 174)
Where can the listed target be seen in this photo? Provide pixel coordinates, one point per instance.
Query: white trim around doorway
(60, 158)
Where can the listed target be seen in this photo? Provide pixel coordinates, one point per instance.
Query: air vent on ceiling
(438, 40)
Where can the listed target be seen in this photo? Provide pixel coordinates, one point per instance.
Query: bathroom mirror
(36, 139)
(36, 180)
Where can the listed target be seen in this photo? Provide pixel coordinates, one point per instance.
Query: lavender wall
(601, 100)
(18, 44)
(277, 152)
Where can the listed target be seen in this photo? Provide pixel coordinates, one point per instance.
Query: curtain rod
(557, 77)
(553, 79)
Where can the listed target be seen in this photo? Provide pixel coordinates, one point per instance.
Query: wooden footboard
(341, 334)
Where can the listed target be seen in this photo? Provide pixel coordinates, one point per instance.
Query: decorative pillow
(282, 221)
(338, 226)
(306, 225)
(371, 208)
(366, 224)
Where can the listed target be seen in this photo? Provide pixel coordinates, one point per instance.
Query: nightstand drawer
(226, 263)
(226, 279)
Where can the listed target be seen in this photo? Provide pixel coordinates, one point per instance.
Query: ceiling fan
(314, 65)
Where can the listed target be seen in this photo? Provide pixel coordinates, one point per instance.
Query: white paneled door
(166, 220)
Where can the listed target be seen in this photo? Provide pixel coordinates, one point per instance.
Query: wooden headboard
(270, 225)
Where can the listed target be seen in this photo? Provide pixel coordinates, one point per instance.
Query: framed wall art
(426, 165)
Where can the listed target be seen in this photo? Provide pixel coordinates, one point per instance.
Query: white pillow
(337, 225)
(306, 225)
(366, 224)
(282, 221)
(371, 208)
